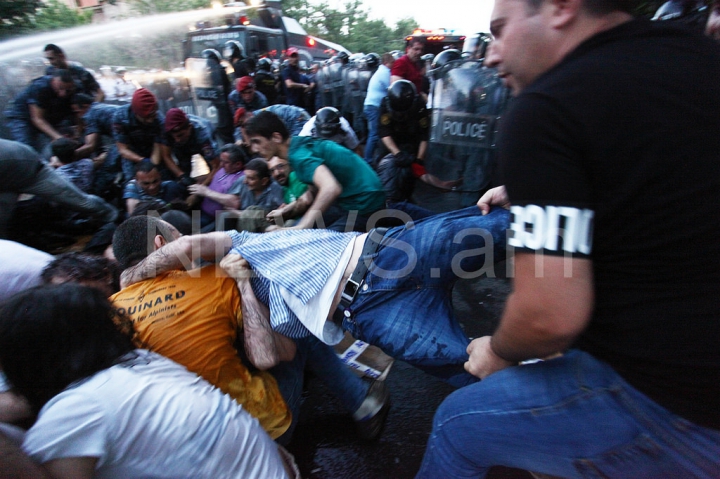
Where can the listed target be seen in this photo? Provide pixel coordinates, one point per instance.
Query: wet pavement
(324, 443)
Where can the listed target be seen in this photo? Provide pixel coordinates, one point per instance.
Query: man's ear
(276, 137)
(159, 241)
(563, 12)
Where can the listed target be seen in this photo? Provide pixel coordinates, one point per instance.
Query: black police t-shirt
(614, 155)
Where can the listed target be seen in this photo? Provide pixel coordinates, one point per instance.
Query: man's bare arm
(264, 347)
(178, 254)
(37, 117)
(15, 463)
(328, 190)
(550, 306)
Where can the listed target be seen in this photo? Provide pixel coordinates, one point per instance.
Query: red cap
(292, 51)
(175, 118)
(243, 83)
(239, 113)
(143, 103)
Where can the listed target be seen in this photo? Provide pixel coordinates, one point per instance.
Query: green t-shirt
(294, 189)
(361, 187)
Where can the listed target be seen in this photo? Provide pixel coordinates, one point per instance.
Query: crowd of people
(177, 342)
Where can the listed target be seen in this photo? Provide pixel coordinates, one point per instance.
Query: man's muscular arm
(178, 254)
(264, 347)
(547, 310)
(328, 190)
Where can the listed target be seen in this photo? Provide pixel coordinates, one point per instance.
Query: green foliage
(54, 14)
(149, 7)
(16, 16)
(350, 26)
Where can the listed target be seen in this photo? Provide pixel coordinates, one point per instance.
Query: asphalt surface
(325, 445)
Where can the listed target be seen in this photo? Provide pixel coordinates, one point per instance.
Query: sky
(463, 16)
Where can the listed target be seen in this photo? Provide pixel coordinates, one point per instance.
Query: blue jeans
(405, 305)
(321, 360)
(372, 113)
(572, 416)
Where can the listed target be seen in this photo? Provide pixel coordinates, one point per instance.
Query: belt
(357, 278)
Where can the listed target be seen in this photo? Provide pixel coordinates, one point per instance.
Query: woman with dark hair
(106, 409)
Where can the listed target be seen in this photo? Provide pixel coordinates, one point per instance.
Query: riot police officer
(266, 81)
(404, 129)
(234, 53)
(329, 124)
(220, 80)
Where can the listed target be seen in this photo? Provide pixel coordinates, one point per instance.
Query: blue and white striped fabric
(300, 261)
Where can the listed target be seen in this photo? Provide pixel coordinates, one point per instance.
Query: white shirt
(20, 267)
(150, 417)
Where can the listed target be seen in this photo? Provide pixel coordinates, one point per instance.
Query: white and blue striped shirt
(300, 261)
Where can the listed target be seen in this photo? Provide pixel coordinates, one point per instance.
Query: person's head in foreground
(52, 336)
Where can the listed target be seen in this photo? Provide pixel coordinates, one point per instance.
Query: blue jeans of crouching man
(405, 305)
(572, 417)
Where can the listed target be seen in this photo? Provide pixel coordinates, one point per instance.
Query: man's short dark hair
(134, 239)
(81, 99)
(64, 75)
(264, 124)
(64, 149)
(54, 335)
(235, 153)
(260, 166)
(76, 267)
(51, 47)
(146, 167)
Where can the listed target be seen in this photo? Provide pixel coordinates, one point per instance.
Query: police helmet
(445, 57)
(401, 96)
(233, 49)
(343, 57)
(327, 122)
(264, 64)
(210, 54)
(372, 60)
(692, 13)
(428, 57)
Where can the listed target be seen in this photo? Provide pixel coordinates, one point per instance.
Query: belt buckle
(350, 291)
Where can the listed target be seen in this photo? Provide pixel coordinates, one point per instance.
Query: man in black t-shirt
(612, 165)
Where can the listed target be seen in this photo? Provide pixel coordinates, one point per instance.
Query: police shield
(467, 100)
(205, 94)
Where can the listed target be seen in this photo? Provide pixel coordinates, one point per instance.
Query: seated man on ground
(258, 195)
(148, 186)
(63, 348)
(297, 196)
(392, 288)
(222, 192)
(193, 317)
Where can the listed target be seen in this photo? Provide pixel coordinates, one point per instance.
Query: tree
(54, 14)
(16, 15)
(350, 27)
(150, 7)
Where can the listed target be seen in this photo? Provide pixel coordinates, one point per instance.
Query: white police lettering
(538, 228)
(459, 128)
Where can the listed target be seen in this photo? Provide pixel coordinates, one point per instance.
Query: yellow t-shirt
(193, 318)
